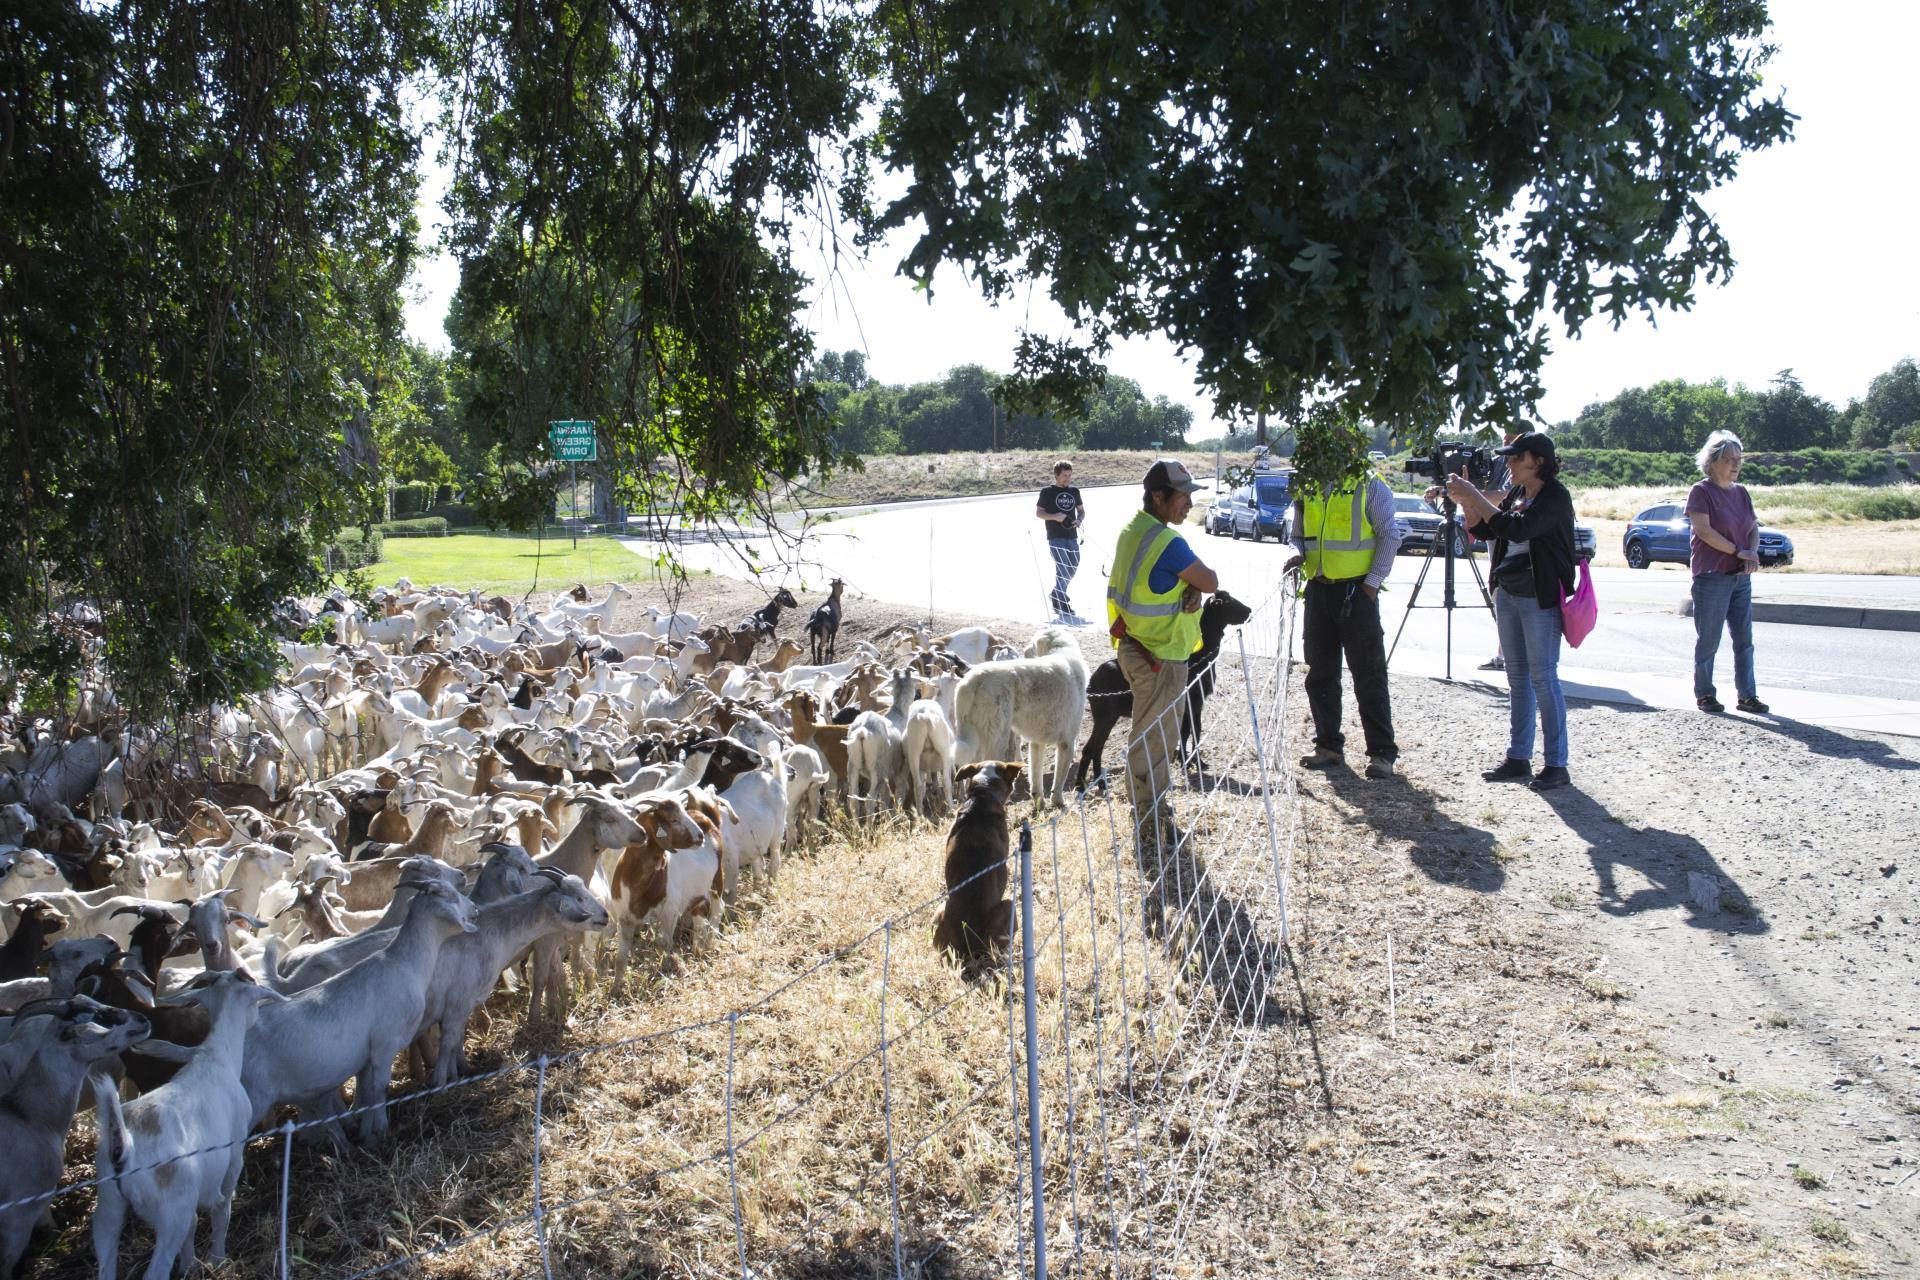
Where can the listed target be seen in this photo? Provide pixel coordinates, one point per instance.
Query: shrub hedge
(411, 499)
(1889, 504)
(1617, 468)
(423, 527)
(348, 550)
(458, 515)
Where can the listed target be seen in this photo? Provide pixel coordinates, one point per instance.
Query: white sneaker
(1379, 768)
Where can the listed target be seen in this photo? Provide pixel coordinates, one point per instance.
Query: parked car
(1420, 523)
(1219, 517)
(1264, 507)
(1665, 533)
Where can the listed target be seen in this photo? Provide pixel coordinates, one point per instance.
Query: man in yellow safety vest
(1154, 593)
(1344, 543)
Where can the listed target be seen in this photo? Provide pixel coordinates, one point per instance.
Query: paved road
(988, 556)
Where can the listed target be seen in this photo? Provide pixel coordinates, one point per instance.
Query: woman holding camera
(1725, 552)
(1531, 528)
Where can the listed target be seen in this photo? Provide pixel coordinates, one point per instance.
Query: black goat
(153, 939)
(185, 1023)
(1110, 700)
(20, 958)
(823, 628)
(767, 617)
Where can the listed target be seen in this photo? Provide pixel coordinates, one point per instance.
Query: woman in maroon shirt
(1726, 551)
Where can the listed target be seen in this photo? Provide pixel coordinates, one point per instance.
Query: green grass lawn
(507, 564)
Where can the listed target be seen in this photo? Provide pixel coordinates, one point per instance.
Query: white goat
(603, 827)
(807, 780)
(355, 1023)
(191, 1143)
(24, 872)
(875, 746)
(69, 1040)
(469, 965)
(927, 751)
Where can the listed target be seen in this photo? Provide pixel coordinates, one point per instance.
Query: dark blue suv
(1263, 508)
(1665, 533)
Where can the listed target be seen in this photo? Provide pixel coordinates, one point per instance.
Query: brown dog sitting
(977, 918)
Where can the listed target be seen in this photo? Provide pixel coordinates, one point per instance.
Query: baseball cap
(1537, 443)
(1170, 474)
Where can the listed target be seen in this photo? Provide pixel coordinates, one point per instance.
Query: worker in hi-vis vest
(1344, 543)
(1154, 594)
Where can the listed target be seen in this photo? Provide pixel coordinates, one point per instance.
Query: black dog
(1110, 700)
(978, 919)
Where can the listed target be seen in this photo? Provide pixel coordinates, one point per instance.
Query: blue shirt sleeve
(1166, 570)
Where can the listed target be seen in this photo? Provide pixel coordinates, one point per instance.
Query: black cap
(1537, 443)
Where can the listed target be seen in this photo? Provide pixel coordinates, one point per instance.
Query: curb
(1827, 615)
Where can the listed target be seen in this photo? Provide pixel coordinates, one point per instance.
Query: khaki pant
(1156, 727)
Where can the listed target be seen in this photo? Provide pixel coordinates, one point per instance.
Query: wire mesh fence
(871, 1112)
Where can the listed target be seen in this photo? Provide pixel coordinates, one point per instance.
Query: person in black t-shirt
(1061, 508)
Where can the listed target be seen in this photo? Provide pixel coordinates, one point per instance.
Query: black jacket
(1546, 526)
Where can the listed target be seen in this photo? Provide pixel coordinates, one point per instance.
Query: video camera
(1455, 458)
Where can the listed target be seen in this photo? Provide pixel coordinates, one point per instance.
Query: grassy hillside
(903, 477)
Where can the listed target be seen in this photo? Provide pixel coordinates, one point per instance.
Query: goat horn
(52, 1006)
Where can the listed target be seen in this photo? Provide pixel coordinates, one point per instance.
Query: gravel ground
(1752, 885)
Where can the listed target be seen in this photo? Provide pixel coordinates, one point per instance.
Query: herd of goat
(452, 794)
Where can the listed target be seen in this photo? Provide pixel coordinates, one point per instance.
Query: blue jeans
(1066, 563)
(1530, 639)
(1723, 602)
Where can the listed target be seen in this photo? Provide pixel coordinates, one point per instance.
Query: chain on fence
(1058, 1116)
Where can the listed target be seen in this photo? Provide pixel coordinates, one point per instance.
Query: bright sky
(1822, 227)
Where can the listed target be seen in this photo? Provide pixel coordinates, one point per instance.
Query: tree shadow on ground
(1679, 869)
(1838, 746)
(1446, 851)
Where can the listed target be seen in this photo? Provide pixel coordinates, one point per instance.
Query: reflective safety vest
(1336, 533)
(1153, 618)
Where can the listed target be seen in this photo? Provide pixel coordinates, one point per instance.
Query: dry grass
(792, 1005)
(901, 477)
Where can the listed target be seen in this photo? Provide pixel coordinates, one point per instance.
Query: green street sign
(573, 442)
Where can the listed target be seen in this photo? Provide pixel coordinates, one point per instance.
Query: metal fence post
(286, 1175)
(1027, 924)
(539, 1216)
(886, 1099)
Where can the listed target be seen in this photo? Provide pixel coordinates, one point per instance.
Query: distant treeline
(1677, 416)
(958, 413)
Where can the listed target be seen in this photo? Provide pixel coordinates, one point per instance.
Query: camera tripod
(1441, 548)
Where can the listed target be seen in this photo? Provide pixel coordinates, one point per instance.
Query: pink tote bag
(1579, 611)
